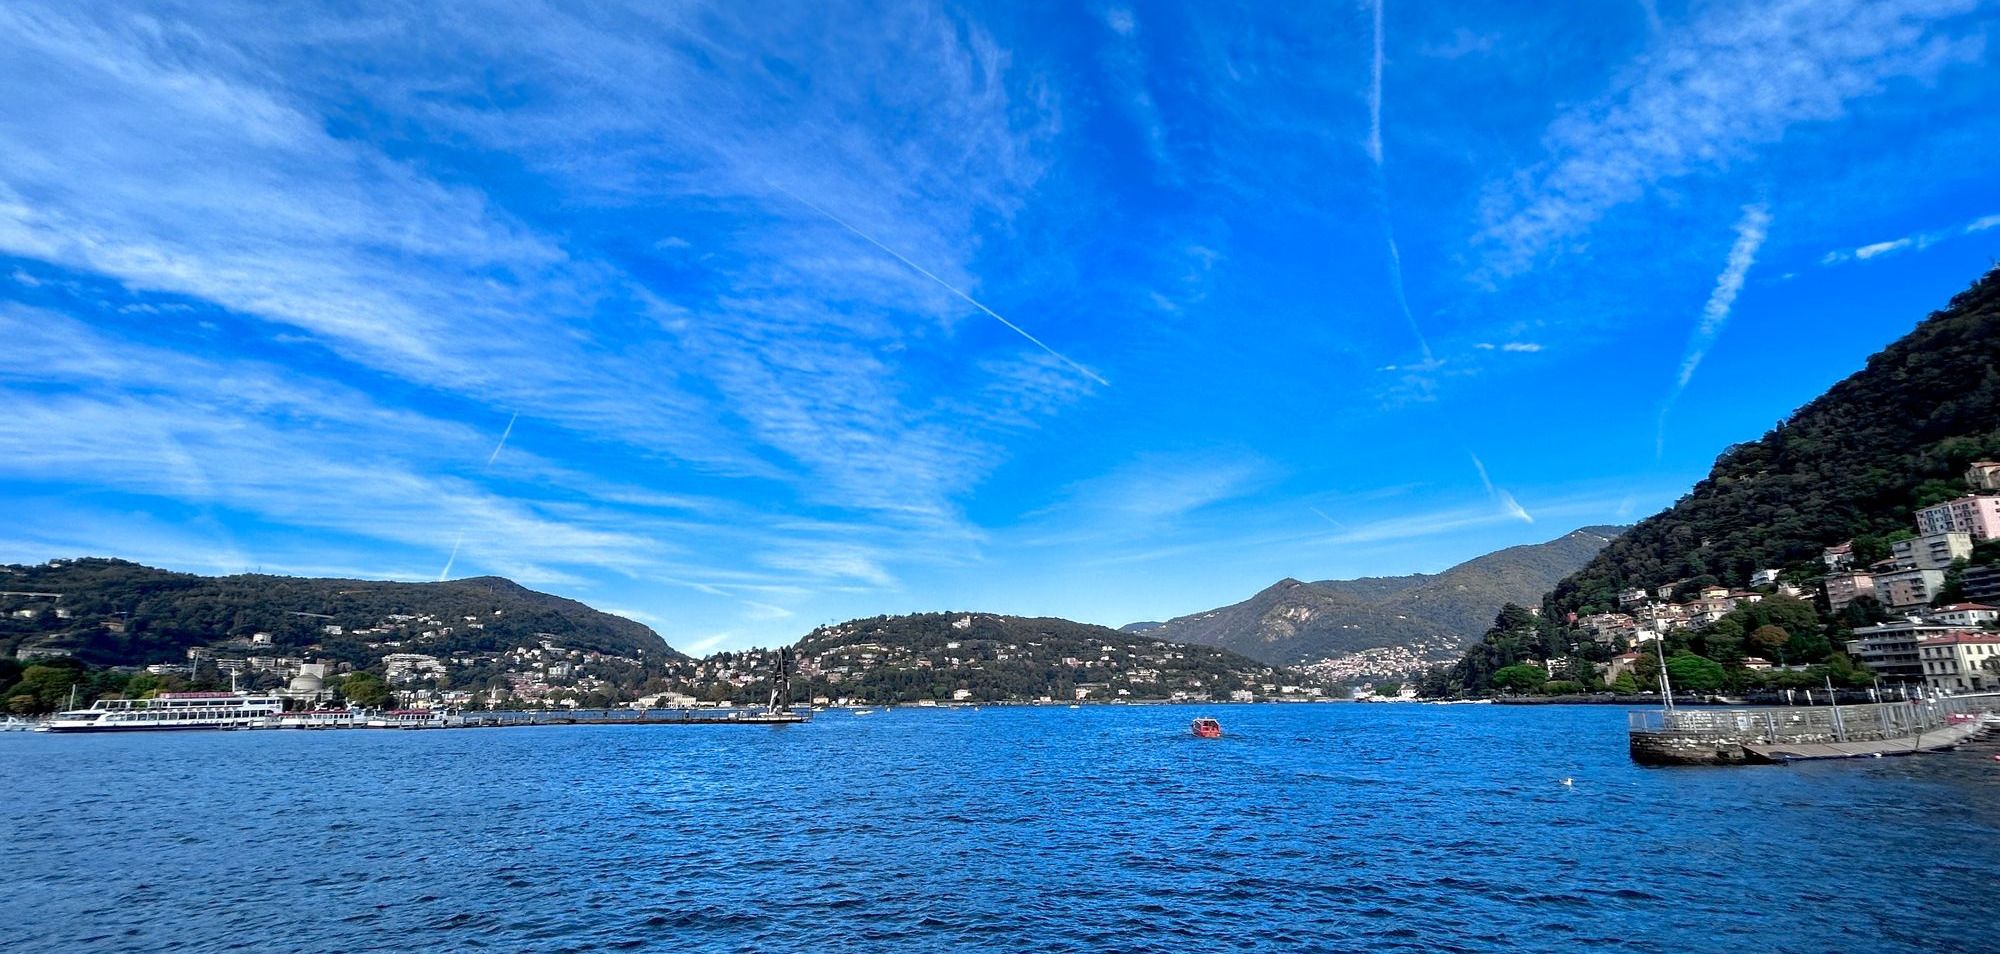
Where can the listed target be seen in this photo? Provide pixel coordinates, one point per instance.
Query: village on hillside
(1946, 646)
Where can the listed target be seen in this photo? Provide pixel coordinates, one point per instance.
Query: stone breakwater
(1742, 736)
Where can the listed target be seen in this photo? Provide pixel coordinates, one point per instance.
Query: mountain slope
(1851, 464)
(114, 612)
(1292, 622)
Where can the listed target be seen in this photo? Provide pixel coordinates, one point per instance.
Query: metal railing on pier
(1875, 722)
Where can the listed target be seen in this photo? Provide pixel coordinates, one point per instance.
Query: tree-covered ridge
(983, 657)
(1292, 622)
(119, 613)
(1852, 464)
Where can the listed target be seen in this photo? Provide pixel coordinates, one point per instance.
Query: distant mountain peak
(1292, 621)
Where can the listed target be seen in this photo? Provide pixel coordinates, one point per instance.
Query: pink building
(1976, 514)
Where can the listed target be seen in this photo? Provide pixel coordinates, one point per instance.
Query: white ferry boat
(170, 710)
(411, 719)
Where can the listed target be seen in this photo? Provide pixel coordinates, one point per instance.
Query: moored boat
(410, 719)
(1207, 728)
(170, 710)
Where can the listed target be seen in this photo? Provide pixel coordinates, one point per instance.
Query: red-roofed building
(1958, 662)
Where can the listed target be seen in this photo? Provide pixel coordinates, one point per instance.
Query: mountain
(1852, 464)
(993, 658)
(118, 613)
(1430, 615)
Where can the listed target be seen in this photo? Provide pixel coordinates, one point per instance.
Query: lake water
(1329, 827)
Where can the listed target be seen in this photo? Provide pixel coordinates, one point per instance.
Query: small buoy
(1875, 755)
(1568, 781)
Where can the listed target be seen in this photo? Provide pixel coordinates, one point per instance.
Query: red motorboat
(1207, 728)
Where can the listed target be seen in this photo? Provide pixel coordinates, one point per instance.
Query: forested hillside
(114, 612)
(1852, 464)
(992, 658)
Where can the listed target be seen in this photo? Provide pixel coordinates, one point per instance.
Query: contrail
(1750, 231)
(509, 432)
(442, 574)
(490, 458)
(1322, 515)
(947, 286)
(1396, 272)
(1375, 93)
(1374, 147)
(1506, 500)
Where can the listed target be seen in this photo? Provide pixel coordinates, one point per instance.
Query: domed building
(309, 686)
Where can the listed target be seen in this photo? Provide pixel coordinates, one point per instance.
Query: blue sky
(794, 313)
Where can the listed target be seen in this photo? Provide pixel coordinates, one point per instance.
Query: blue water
(1387, 828)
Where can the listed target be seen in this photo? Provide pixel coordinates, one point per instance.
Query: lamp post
(1666, 685)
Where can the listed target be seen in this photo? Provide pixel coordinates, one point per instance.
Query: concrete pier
(1740, 736)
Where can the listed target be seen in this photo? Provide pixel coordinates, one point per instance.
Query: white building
(1932, 551)
(1764, 577)
(410, 664)
(1967, 615)
(1957, 662)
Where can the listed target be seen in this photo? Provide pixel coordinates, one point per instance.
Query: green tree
(1863, 611)
(1624, 685)
(48, 687)
(365, 689)
(1694, 673)
(1646, 669)
(1388, 688)
(1520, 677)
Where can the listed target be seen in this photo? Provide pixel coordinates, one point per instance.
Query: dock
(1935, 740)
(677, 716)
(1793, 733)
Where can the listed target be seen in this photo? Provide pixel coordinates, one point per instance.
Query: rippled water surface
(1330, 827)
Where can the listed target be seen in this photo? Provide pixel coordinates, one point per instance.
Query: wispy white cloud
(1750, 232)
(955, 290)
(1915, 242)
(1518, 347)
(1705, 97)
(1125, 64)
(213, 175)
(1150, 496)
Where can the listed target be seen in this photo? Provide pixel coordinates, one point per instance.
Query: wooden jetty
(1792, 733)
